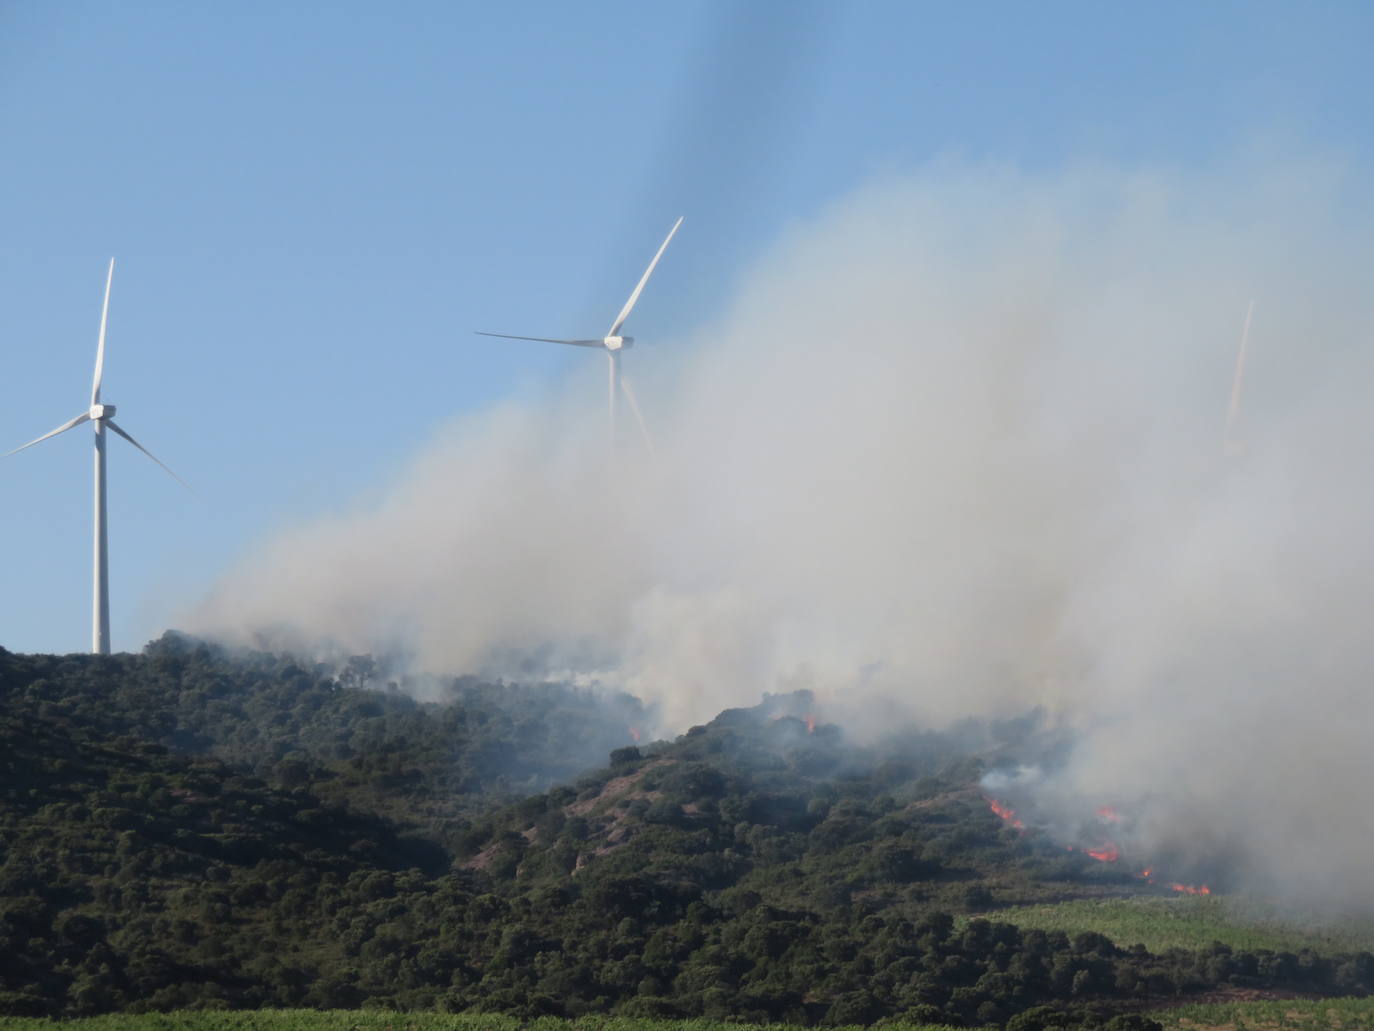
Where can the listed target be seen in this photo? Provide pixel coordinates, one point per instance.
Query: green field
(380, 1020)
(1191, 923)
(1279, 1015)
(1283, 1015)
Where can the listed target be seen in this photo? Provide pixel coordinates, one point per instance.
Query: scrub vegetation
(187, 829)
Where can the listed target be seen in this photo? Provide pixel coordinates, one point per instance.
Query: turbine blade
(114, 426)
(629, 305)
(61, 429)
(1229, 446)
(639, 416)
(546, 340)
(100, 347)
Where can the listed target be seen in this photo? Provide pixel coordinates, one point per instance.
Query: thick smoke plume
(957, 446)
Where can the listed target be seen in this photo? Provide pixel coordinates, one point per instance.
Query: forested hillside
(187, 828)
(346, 730)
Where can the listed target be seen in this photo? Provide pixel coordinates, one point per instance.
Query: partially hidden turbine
(612, 343)
(1231, 445)
(101, 417)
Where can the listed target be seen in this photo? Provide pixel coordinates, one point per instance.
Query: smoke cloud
(957, 445)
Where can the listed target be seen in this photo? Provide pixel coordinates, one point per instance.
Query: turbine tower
(612, 343)
(101, 417)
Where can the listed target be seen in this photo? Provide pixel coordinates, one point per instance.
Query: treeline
(356, 736)
(185, 828)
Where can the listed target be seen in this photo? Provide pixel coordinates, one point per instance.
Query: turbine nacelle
(612, 343)
(100, 411)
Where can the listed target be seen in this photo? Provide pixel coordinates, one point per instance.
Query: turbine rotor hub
(99, 412)
(617, 343)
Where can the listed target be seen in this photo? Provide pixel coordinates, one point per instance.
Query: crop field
(1191, 923)
(1282, 1015)
(1277, 1015)
(381, 1020)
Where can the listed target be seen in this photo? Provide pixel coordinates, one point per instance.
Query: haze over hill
(955, 449)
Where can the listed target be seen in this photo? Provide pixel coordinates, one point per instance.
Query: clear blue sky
(313, 205)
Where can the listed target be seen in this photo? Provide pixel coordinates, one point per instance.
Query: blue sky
(312, 207)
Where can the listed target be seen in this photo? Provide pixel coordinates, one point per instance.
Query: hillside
(347, 729)
(187, 828)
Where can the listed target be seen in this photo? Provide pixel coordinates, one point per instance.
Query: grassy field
(1190, 923)
(1284, 1015)
(1280, 1015)
(380, 1020)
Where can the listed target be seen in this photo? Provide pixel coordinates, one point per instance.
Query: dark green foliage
(344, 729)
(183, 829)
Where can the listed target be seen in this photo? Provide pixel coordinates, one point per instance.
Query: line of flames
(1107, 852)
(1007, 813)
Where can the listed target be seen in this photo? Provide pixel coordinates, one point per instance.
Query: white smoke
(959, 443)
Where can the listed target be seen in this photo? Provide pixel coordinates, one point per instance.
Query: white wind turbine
(100, 416)
(612, 343)
(1231, 446)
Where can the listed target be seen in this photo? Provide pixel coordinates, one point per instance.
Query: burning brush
(1103, 850)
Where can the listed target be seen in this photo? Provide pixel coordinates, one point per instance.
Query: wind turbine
(1230, 445)
(101, 416)
(612, 343)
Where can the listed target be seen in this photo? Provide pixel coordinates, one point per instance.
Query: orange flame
(810, 723)
(1006, 813)
(1107, 852)
(634, 733)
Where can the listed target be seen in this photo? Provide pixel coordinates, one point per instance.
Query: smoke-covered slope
(972, 440)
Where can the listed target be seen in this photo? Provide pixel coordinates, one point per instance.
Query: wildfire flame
(634, 734)
(1006, 813)
(810, 723)
(1107, 852)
